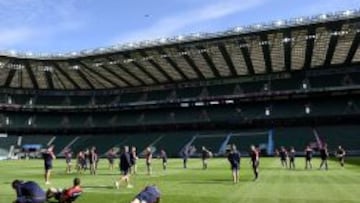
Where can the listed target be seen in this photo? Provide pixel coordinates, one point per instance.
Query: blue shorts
(48, 166)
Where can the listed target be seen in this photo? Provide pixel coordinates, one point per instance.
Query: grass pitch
(194, 185)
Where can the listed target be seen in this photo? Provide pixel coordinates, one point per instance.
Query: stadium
(286, 83)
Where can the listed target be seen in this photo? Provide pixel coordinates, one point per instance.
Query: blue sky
(72, 25)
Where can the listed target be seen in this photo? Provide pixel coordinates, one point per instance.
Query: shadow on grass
(215, 181)
(98, 187)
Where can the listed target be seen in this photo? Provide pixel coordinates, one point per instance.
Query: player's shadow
(98, 187)
(213, 181)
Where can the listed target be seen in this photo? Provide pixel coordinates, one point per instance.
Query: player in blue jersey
(150, 194)
(28, 192)
(48, 157)
(234, 159)
(125, 167)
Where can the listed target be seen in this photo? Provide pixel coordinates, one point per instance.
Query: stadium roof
(323, 41)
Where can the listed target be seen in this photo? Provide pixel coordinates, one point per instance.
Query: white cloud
(171, 25)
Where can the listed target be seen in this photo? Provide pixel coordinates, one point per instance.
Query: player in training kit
(292, 158)
(148, 160)
(164, 158)
(48, 157)
(283, 157)
(150, 194)
(324, 155)
(81, 162)
(254, 155)
(93, 158)
(185, 155)
(125, 167)
(111, 156)
(340, 154)
(234, 159)
(68, 156)
(308, 157)
(28, 192)
(133, 158)
(205, 155)
(65, 195)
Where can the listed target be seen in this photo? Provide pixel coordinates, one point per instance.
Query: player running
(125, 167)
(148, 160)
(164, 158)
(48, 157)
(254, 155)
(324, 155)
(292, 158)
(150, 194)
(283, 157)
(308, 157)
(28, 192)
(234, 159)
(65, 195)
(340, 154)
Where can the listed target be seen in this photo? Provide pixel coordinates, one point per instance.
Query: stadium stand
(304, 76)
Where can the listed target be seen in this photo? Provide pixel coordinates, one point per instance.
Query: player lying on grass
(150, 194)
(28, 192)
(65, 195)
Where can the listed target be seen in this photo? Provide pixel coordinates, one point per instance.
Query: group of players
(290, 155)
(89, 159)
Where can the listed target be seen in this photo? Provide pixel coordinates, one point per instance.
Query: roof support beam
(311, 35)
(119, 77)
(332, 45)
(147, 73)
(287, 49)
(209, 61)
(64, 73)
(157, 66)
(131, 74)
(265, 46)
(173, 64)
(191, 63)
(246, 54)
(228, 59)
(87, 81)
(98, 74)
(353, 48)
(49, 80)
(9, 78)
(31, 74)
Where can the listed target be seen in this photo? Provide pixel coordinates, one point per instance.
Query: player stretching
(292, 158)
(65, 195)
(125, 166)
(48, 157)
(164, 158)
(133, 159)
(234, 159)
(150, 194)
(28, 192)
(283, 157)
(340, 154)
(148, 159)
(111, 156)
(308, 157)
(324, 155)
(68, 156)
(254, 154)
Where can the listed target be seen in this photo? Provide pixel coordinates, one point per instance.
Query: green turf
(194, 185)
